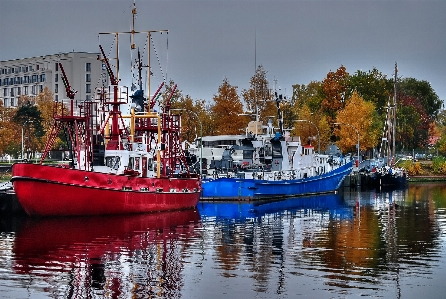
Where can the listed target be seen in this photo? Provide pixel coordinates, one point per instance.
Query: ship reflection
(329, 203)
(129, 255)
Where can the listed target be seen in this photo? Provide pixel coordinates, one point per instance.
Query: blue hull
(250, 189)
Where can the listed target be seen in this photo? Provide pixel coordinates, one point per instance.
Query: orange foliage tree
(335, 91)
(308, 125)
(360, 115)
(226, 109)
(10, 138)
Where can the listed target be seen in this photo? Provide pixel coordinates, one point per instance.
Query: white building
(29, 76)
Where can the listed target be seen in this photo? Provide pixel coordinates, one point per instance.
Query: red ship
(142, 169)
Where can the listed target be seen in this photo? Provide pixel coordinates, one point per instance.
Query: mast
(394, 112)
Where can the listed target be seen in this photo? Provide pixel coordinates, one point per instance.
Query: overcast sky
(296, 41)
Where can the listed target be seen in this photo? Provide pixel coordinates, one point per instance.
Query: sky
(296, 41)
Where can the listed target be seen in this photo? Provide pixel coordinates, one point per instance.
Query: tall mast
(394, 112)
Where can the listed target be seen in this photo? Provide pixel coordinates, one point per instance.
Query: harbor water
(375, 243)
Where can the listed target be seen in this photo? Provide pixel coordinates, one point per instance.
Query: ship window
(277, 150)
(150, 164)
(112, 162)
(268, 150)
(247, 154)
(136, 163)
(131, 163)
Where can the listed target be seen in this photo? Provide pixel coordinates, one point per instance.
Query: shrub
(439, 165)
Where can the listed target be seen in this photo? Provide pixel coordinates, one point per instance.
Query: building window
(34, 89)
(56, 88)
(88, 88)
(88, 97)
(26, 90)
(5, 92)
(26, 79)
(37, 66)
(34, 78)
(12, 92)
(57, 66)
(57, 97)
(41, 88)
(87, 77)
(42, 78)
(19, 91)
(88, 67)
(0, 82)
(56, 78)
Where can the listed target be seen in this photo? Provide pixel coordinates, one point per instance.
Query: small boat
(111, 169)
(273, 165)
(390, 176)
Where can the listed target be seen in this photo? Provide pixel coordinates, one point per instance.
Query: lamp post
(357, 132)
(318, 135)
(201, 138)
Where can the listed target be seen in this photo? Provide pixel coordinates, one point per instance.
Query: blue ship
(292, 170)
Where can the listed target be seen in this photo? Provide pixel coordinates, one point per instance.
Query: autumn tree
(335, 89)
(45, 104)
(312, 127)
(259, 98)
(10, 137)
(191, 118)
(358, 116)
(226, 109)
(414, 123)
(423, 92)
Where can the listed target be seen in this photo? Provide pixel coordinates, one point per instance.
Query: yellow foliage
(357, 118)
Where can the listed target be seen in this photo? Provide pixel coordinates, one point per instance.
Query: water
(389, 244)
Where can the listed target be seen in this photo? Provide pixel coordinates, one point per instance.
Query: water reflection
(360, 241)
(138, 255)
(388, 244)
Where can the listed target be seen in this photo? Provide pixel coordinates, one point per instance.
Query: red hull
(44, 190)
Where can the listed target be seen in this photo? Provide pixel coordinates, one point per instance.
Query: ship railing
(116, 95)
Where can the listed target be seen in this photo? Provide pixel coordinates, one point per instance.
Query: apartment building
(29, 76)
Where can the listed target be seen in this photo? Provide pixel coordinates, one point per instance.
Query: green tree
(372, 86)
(226, 109)
(29, 118)
(310, 95)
